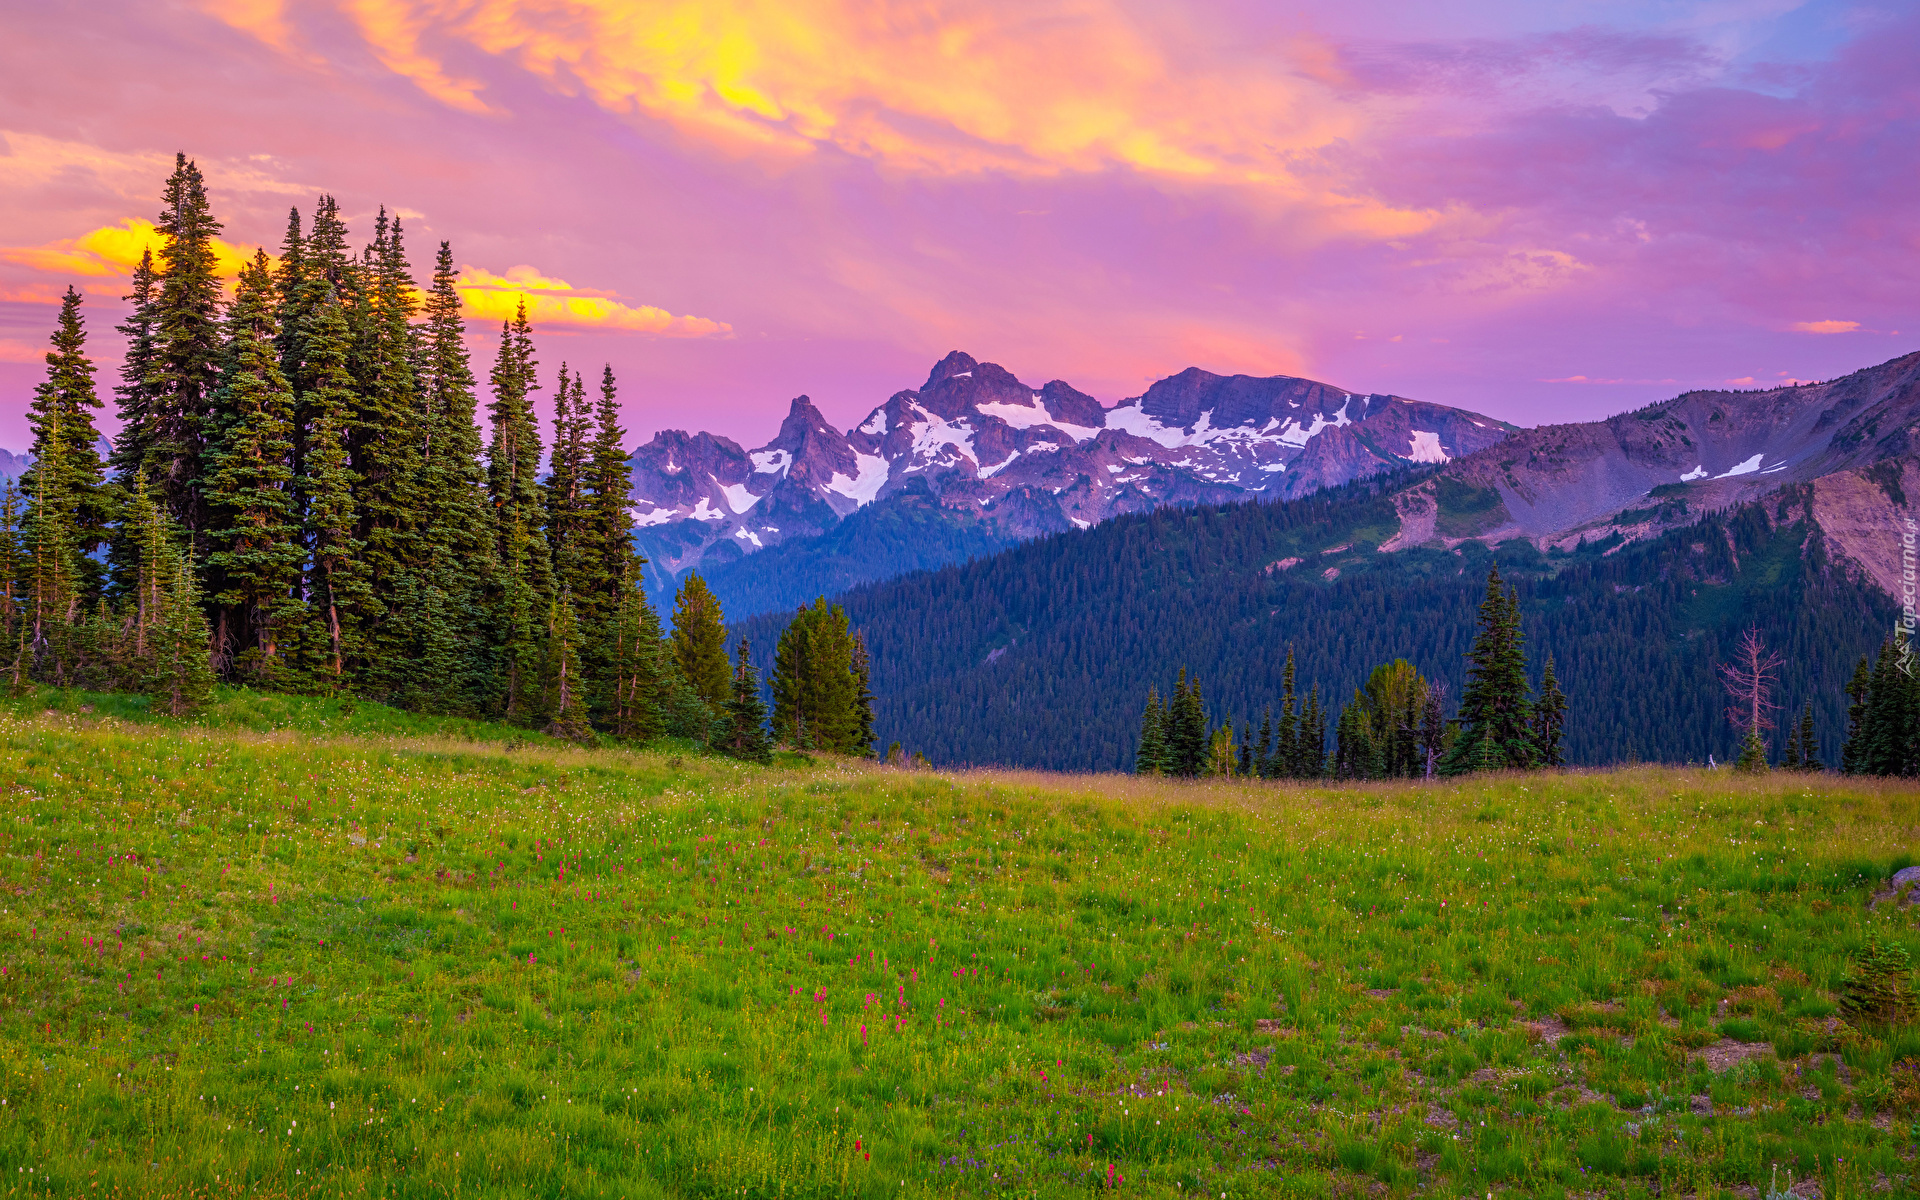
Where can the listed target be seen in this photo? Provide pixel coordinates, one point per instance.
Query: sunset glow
(1542, 215)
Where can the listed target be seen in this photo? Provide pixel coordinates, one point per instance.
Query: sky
(1542, 210)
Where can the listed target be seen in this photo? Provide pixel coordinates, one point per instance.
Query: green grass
(412, 959)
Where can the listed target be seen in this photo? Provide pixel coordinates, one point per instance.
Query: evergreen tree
(181, 677)
(1790, 754)
(566, 700)
(11, 557)
(135, 409)
(1263, 752)
(863, 737)
(1495, 716)
(525, 579)
(337, 593)
(254, 530)
(186, 358)
(65, 400)
(384, 442)
(700, 642)
(1809, 744)
(1549, 719)
(1310, 750)
(454, 521)
(635, 654)
(1188, 738)
(1853, 750)
(567, 506)
(1753, 753)
(1150, 758)
(815, 692)
(1286, 751)
(745, 717)
(53, 594)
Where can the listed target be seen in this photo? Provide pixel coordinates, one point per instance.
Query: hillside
(292, 964)
(1042, 655)
(1012, 460)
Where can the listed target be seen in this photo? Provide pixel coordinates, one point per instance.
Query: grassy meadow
(313, 948)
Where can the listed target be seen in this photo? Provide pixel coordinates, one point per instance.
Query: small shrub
(1878, 987)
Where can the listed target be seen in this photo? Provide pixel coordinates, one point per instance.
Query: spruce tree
(1853, 750)
(1549, 719)
(1263, 752)
(815, 692)
(254, 531)
(1286, 751)
(635, 664)
(65, 400)
(1150, 757)
(1433, 728)
(338, 597)
(454, 521)
(180, 679)
(524, 583)
(700, 642)
(135, 409)
(53, 595)
(1495, 716)
(745, 715)
(186, 361)
(384, 443)
(863, 698)
(1809, 744)
(1310, 750)
(1189, 739)
(1790, 754)
(566, 699)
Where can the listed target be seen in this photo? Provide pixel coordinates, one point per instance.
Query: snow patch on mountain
(862, 488)
(1426, 448)
(770, 462)
(1746, 468)
(739, 499)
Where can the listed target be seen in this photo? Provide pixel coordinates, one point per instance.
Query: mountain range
(975, 459)
(1642, 545)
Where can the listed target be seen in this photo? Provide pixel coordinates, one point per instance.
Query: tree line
(301, 498)
(1394, 727)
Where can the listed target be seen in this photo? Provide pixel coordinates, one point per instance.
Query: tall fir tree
(53, 593)
(454, 524)
(186, 360)
(1809, 743)
(566, 694)
(1189, 736)
(863, 698)
(744, 719)
(338, 597)
(66, 399)
(384, 440)
(524, 583)
(1495, 714)
(134, 394)
(1549, 719)
(816, 694)
(636, 666)
(1853, 750)
(254, 534)
(700, 641)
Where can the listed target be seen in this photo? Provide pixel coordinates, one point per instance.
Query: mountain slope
(1041, 656)
(1020, 461)
(1633, 475)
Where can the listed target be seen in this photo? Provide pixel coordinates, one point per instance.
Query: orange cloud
(923, 86)
(113, 250)
(485, 296)
(1824, 326)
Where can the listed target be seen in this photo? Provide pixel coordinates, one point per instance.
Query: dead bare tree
(1749, 681)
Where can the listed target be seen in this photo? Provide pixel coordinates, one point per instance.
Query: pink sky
(1540, 210)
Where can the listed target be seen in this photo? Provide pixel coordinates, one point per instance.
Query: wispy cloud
(550, 301)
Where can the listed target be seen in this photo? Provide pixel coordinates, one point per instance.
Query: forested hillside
(1043, 655)
(905, 532)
